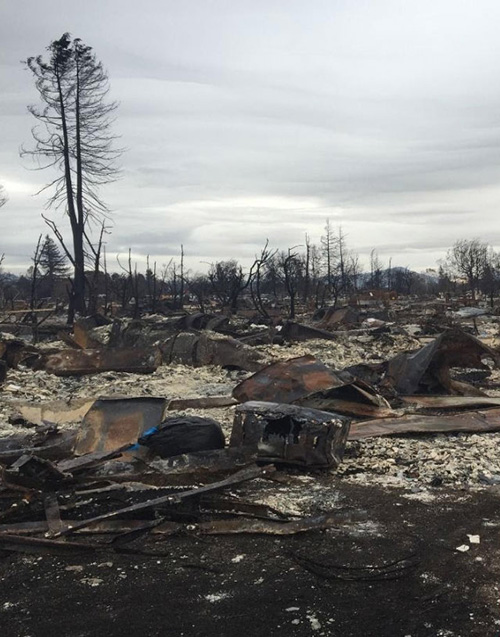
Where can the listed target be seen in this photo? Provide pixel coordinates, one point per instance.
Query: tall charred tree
(3, 196)
(291, 266)
(73, 137)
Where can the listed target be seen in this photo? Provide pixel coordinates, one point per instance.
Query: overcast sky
(248, 120)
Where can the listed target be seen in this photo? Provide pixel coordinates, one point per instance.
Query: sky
(248, 120)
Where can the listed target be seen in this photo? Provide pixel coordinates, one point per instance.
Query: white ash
(440, 459)
(412, 462)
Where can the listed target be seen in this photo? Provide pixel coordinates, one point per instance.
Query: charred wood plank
(169, 500)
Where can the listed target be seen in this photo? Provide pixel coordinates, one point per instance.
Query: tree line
(73, 140)
(278, 282)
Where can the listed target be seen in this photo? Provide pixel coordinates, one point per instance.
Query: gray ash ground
(418, 462)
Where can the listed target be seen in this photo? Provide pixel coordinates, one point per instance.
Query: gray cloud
(251, 120)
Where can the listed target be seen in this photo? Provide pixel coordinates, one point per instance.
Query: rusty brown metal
(287, 381)
(293, 331)
(211, 527)
(15, 351)
(112, 423)
(82, 331)
(290, 435)
(307, 382)
(73, 362)
(60, 412)
(209, 348)
(470, 421)
(428, 369)
(355, 398)
(451, 402)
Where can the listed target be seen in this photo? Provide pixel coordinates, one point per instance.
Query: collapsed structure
(142, 465)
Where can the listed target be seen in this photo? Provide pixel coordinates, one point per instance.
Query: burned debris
(291, 435)
(129, 456)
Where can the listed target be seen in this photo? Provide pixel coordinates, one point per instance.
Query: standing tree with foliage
(74, 138)
(53, 263)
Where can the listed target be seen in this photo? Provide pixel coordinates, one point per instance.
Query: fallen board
(451, 402)
(469, 421)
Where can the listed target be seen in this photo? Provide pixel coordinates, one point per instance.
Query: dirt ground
(392, 569)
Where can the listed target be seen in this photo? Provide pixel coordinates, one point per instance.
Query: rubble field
(357, 491)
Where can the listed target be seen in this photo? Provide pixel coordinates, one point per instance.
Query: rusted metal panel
(293, 331)
(59, 412)
(307, 382)
(208, 348)
(82, 331)
(112, 423)
(212, 527)
(73, 362)
(287, 381)
(14, 447)
(355, 398)
(427, 369)
(470, 421)
(451, 402)
(15, 351)
(291, 435)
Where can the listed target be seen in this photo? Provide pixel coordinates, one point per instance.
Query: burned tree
(291, 266)
(74, 138)
(468, 258)
(3, 196)
(228, 281)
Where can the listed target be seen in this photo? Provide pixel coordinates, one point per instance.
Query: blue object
(149, 432)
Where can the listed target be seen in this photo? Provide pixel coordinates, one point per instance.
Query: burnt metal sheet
(290, 434)
(15, 351)
(470, 421)
(355, 398)
(73, 362)
(111, 423)
(82, 331)
(244, 475)
(59, 446)
(427, 369)
(208, 348)
(287, 381)
(60, 412)
(293, 331)
(451, 402)
(211, 527)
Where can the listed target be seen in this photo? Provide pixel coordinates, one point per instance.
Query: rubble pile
(130, 429)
